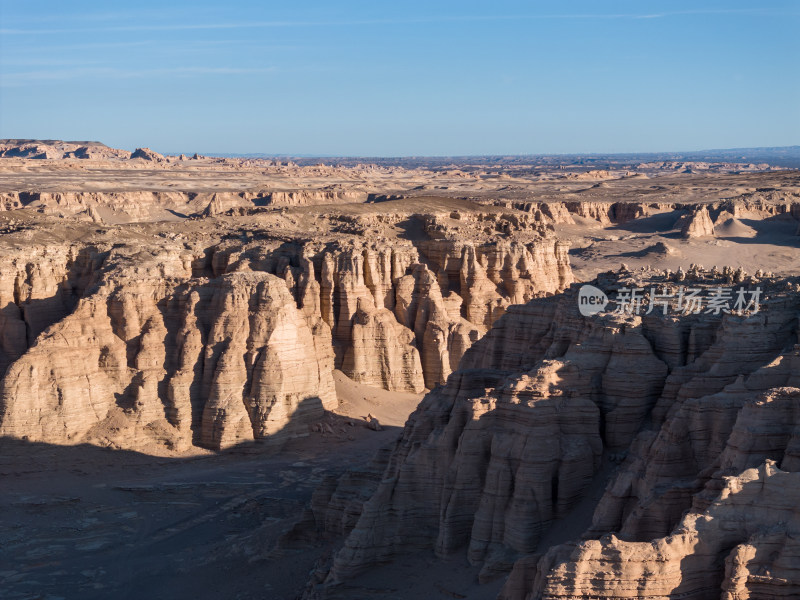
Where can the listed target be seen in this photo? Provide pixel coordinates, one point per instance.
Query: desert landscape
(265, 377)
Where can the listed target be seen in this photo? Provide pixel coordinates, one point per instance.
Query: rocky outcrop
(154, 358)
(736, 540)
(147, 154)
(309, 197)
(262, 365)
(143, 205)
(135, 206)
(700, 402)
(599, 211)
(482, 479)
(57, 149)
(440, 330)
(513, 441)
(606, 213)
(381, 352)
(40, 286)
(693, 223)
(744, 545)
(215, 346)
(698, 224)
(392, 324)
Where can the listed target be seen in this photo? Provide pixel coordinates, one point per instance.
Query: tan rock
(743, 545)
(698, 224)
(147, 154)
(96, 374)
(488, 464)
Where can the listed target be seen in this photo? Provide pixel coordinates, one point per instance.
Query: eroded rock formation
(213, 346)
(743, 545)
(154, 356)
(159, 303)
(517, 436)
(147, 154)
(698, 224)
(393, 326)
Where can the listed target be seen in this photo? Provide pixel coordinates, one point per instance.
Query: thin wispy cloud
(98, 17)
(390, 21)
(157, 45)
(47, 62)
(56, 75)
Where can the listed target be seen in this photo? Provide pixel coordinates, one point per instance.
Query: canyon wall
(738, 540)
(521, 432)
(151, 356)
(142, 205)
(182, 345)
(692, 218)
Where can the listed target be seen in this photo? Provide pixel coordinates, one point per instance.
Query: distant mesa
(594, 174)
(58, 149)
(147, 154)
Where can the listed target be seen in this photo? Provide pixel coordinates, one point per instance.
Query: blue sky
(407, 78)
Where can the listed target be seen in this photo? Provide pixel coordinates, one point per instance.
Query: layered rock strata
(691, 218)
(513, 441)
(697, 224)
(143, 205)
(744, 545)
(403, 315)
(185, 345)
(153, 356)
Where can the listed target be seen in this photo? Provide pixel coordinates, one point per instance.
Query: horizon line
(488, 155)
(29, 140)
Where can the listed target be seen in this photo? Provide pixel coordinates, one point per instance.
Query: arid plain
(274, 378)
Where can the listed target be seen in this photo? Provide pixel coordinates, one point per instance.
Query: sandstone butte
(163, 318)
